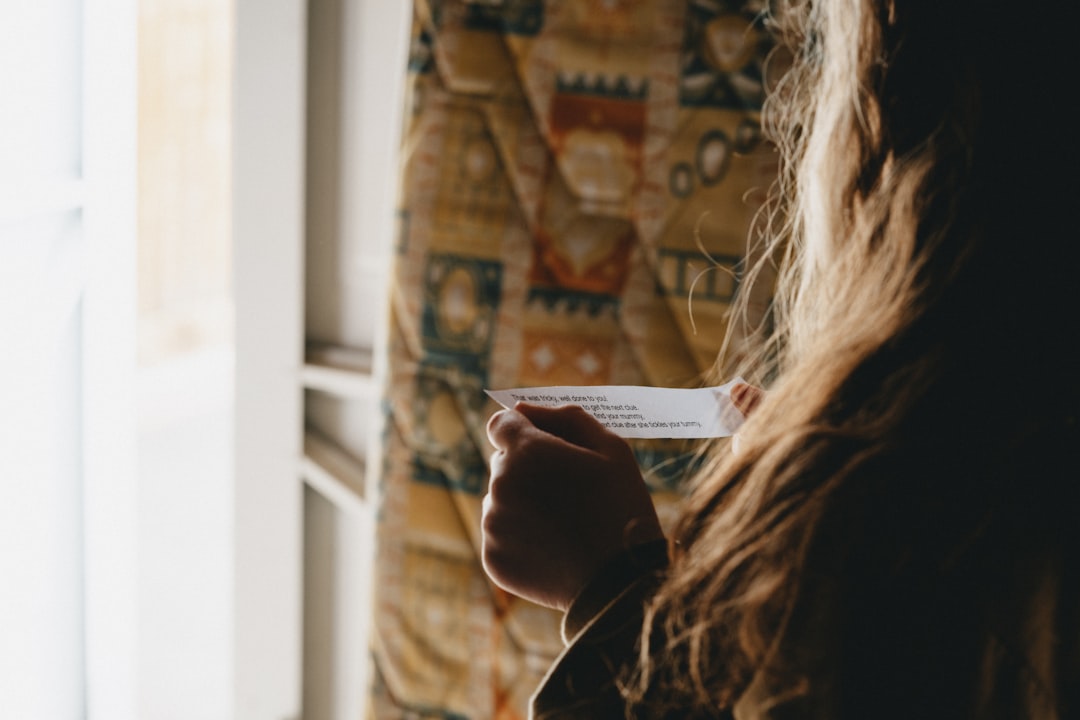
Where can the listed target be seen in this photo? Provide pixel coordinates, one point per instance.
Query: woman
(896, 536)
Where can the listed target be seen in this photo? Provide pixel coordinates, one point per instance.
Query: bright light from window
(41, 279)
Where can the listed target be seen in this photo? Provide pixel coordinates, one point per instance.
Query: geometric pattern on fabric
(577, 186)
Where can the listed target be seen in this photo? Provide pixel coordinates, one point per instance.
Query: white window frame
(109, 440)
(268, 232)
(269, 146)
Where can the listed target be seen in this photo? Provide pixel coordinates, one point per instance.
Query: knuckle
(499, 485)
(489, 520)
(495, 426)
(494, 559)
(496, 519)
(497, 463)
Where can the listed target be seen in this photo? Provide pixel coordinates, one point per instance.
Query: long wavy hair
(919, 235)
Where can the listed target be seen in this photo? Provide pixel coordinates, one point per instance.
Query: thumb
(569, 422)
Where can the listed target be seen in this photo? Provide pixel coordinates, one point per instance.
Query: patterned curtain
(572, 170)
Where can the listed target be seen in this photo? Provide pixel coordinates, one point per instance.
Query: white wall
(41, 280)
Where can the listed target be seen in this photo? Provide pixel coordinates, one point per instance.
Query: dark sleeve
(601, 627)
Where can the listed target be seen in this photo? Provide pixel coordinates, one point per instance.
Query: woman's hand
(566, 495)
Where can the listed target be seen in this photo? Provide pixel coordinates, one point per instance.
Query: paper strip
(632, 411)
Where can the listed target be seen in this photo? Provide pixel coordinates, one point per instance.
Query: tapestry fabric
(576, 191)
